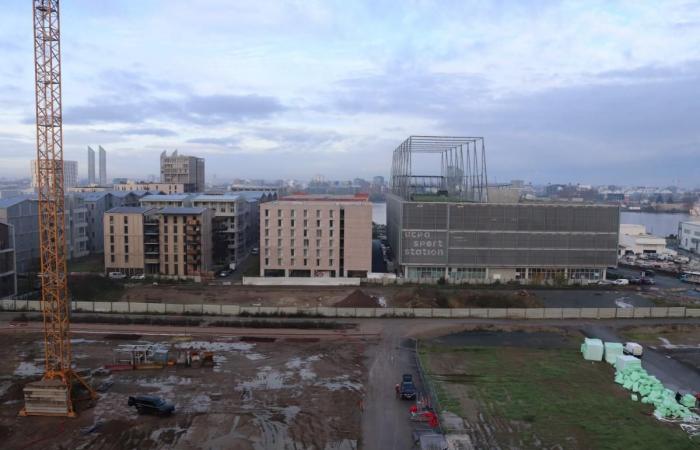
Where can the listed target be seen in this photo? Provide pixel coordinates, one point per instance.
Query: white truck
(691, 277)
(634, 349)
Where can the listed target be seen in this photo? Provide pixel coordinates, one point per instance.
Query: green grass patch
(91, 263)
(558, 397)
(94, 288)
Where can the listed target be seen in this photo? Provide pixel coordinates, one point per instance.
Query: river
(660, 224)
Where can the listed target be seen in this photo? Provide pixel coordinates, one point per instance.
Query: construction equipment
(51, 395)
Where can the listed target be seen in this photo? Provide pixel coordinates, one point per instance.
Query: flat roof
(12, 201)
(325, 198)
(166, 197)
(216, 198)
(183, 211)
(129, 210)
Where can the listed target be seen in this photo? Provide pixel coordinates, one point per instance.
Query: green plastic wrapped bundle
(623, 362)
(592, 349)
(652, 392)
(612, 351)
(688, 400)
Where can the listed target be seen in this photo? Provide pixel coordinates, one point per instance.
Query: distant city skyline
(601, 92)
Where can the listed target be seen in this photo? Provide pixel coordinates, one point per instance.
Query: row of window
(293, 222)
(292, 252)
(305, 262)
(292, 232)
(293, 212)
(292, 243)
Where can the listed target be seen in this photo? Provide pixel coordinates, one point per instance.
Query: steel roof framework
(462, 168)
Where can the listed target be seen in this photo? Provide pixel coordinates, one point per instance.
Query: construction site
(70, 381)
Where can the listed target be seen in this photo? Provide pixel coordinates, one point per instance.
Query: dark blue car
(150, 404)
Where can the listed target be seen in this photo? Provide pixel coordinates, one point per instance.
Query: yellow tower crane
(51, 395)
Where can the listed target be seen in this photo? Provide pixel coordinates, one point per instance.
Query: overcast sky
(588, 91)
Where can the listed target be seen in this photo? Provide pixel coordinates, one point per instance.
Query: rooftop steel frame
(462, 168)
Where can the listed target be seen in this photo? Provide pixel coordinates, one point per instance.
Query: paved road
(588, 298)
(385, 424)
(662, 281)
(672, 373)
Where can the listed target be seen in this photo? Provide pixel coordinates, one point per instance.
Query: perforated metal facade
(459, 235)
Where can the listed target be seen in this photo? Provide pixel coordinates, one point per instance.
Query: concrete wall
(298, 281)
(331, 311)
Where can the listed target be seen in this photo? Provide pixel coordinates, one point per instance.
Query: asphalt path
(674, 375)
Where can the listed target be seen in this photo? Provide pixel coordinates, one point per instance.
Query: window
(291, 262)
(330, 262)
(267, 251)
(292, 223)
(330, 242)
(126, 249)
(267, 232)
(279, 222)
(126, 220)
(111, 239)
(330, 223)
(318, 242)
(167, 269)
(267, 260)
(166, 258)
(292, 242)
(318, 213)
(292, 231)
(306, 232)
(306, 252)
(111, 219)
(279, 232)
(319, 233)
(318, 262)
(126, 229)
(330, 233)
(279, 213)
(111, 249)
(267, 222)
(306, 213)
(291, 253)
(267, 214)
(126, 239)
(306, 223)
(292, 213)
(165, 227)
(330, 253)
(279, 261)
(126, 258)
(111, 257)
(111, 229)
(306, 242)
(330, 213)
(267, 242)
(318, 252)
(318, 223)
(175, 239)
(175, 270)
(279, 242)
(306, 262)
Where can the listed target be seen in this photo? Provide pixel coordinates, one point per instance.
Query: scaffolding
(462, 168)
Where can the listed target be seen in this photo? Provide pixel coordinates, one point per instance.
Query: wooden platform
(46, 398)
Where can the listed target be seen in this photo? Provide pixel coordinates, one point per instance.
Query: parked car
(648, 281)
(116, 275)
(621, 282)
(255, 251)
(648, 273)
(224, 273)
(150, 404)
(407, 390)
(139, 276)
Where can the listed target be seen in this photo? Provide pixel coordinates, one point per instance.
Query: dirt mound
(358, 299)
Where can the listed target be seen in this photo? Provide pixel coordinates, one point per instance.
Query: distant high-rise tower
(70, 174)
(91, 165)
(103, 166)
(182, 169)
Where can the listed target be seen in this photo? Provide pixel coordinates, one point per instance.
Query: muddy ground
(258, 395)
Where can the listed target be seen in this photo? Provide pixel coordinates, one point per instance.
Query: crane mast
(53, 397)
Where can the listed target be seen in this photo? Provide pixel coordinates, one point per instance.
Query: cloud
(193, 109)
(160, 132)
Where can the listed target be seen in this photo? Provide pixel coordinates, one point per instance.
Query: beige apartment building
(171, 242)
(185, 242)
(316, 236)
(124, 239)
(156, 188)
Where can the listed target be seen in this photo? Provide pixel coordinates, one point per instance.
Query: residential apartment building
(155, 188)
(316, 236)
(8, 273)
(97, 204)
(76, 227)
(70, 174)
(185, 242)
(164, 201)
(181, 169)
(230, 225)
(689, 236)
(171, 242)
(22, 213)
